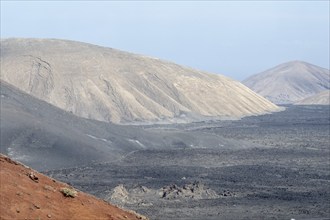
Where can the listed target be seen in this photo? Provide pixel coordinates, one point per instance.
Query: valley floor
(279, 169)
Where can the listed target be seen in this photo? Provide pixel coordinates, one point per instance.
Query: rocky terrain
(27, 194)
(144, 196)
(290, 82)
(322, 98)
(114, 86)
(59, 100)
(274, 166)
(279, 169)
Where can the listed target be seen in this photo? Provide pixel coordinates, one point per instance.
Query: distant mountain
(322, 98)
(290, 82)
(27, 194)
(110, 85)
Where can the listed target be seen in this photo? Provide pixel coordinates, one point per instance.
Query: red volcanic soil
(27, 194)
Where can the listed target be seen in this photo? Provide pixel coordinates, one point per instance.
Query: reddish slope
(27, 194)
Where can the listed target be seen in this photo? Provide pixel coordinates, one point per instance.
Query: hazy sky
(234, 38)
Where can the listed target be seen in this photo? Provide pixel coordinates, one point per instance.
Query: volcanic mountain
(110, 85)
(322, 98)
(290, 82)
(27, 194)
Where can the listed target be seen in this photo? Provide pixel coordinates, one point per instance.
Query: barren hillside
(110, 85)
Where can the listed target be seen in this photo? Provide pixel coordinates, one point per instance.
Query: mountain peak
(297, 64)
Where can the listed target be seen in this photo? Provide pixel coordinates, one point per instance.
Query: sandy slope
(27, 194)
(290, 82)
(111, 85)
(322, 98)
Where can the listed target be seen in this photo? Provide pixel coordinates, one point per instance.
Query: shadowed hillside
(45, 137)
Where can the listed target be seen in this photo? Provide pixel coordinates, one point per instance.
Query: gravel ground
(279, 169)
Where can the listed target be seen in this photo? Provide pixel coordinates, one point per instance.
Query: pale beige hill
(290, 82)
(322, 98)
(111, 85)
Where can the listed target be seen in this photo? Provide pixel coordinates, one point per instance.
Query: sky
(233, 38)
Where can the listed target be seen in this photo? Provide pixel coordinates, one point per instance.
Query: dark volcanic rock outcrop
(143, 196)
(194, 190)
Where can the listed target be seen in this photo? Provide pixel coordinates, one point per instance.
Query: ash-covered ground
(276, 166)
